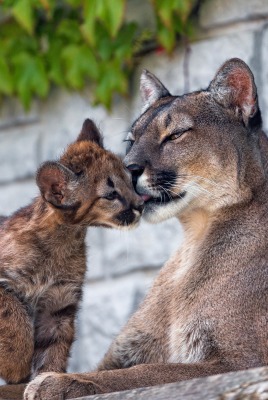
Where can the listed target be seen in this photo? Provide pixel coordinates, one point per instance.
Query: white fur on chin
(155, 213)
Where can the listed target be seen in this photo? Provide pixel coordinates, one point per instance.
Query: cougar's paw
(39, 387)
(57, 386)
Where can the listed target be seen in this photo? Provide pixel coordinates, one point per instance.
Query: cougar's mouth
(162, 199)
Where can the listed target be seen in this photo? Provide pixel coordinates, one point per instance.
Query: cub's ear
(57, 185)
(234, 88)
(151, 89)
(90, 132)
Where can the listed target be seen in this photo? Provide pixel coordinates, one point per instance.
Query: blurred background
(64, 61)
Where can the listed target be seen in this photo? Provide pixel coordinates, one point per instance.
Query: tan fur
(42, 254)
(202, 158)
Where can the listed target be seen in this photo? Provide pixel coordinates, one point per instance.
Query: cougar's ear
(90, 132)
(234, 87)
(57, 184)
(151, 89)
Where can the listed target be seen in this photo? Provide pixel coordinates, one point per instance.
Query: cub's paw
(57, 386)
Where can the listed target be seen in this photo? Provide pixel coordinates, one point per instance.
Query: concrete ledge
(249, 384)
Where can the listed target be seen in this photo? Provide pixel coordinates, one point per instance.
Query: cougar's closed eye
(176, 135)
(129, 140)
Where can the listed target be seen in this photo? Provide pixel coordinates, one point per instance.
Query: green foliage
(69, 43)
(172, 19)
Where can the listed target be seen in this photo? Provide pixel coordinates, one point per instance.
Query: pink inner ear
(148, 92)
(56, 187)
(52, 180)
(241, 83)
(57, 191)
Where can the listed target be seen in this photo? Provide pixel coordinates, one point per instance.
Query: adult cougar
(201, 157)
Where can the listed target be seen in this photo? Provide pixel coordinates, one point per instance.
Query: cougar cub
(43, 258)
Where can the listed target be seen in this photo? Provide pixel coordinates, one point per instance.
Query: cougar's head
(90, 185)
(195, 150)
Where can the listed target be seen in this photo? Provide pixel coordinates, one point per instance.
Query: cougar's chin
(158, 209)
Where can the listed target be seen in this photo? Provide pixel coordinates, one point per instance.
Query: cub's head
(198, 150)
(89, 185)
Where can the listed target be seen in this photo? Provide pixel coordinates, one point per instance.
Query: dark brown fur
(43, 258)
(201, 157)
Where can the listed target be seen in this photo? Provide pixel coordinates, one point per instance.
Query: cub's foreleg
(16, 339)
(54, 329)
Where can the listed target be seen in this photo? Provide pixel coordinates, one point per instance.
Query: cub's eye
(111, 196)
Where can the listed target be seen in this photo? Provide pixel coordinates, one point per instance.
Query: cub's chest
(37, 279)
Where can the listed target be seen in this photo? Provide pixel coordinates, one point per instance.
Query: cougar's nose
(135, 168)
(136, 171)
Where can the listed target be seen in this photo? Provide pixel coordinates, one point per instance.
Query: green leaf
(111, 14)
(6, 84)
(88, 27)
(23, 13)
(103, 93)
(68, 42)
(104, 45)
(111, 79)
(74, 3)
(115, 12)
(40, 83)
(124, 43)
(165, 12)
(55, 66)
(30, 77)
(69, 30)
(167, 38)
(183, 8)
(79, 63)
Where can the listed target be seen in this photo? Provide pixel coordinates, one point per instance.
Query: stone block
(65, 114)
(12, 114)
(18, 153)
(207, 55)
(105, 308)
(181, 75)
(95, 253)
(16, 195)
(145, 247)
(217, 12)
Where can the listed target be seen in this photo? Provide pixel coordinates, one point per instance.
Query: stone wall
(121, 265)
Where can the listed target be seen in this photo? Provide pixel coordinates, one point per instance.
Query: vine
(69, 43)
